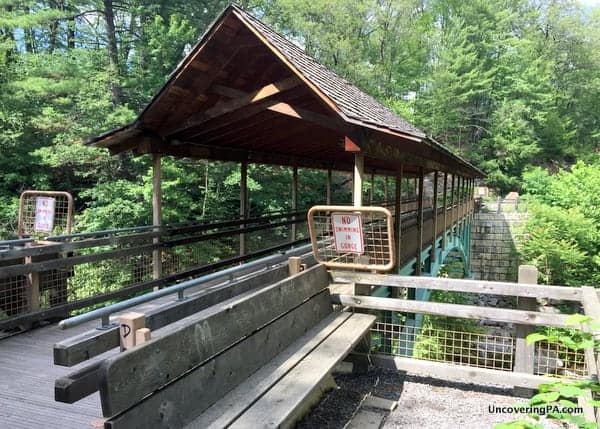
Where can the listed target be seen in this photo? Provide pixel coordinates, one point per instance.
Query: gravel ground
(423, 403)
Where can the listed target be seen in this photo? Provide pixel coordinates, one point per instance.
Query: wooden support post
(416, 186)
(329, 185)
(372, 189)
(357, 197)
(591, 307)
(398, 218)
(359, 171)
(156, 214)
(445, 203)
(524, 353)
(294, 199)
(452, 201)
(418, 269)
(461, 188)
(129, 323)
(385, 190)
(396, 292)
(33, 288)
(295, 265)
(243, 203)
(435, 218)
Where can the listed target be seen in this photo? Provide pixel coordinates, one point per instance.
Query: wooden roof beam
(242, 100)
(150, 145)
(324, 121)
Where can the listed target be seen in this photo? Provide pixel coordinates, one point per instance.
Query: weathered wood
(435, 218)
(244, 99)
(129, 323)
(452, 310)
(452, 203)
(243, 202)
(185, 398)
(460, 373)
(95, 342)
(278, 407)
(156, 213)
(591, 307)
(524, 353)
(232, 405)
(398, 217)
(61, 310)
(128, 377)
(418, 267)
(328, 187)
(357, 179)
(142, 335)
(16, 270)
(33, 286)
(588, 409)
(77, 385)
(294, 198)
(230, 232)
(89, 344)
(591, 303)
(459, 285)
(294, 265)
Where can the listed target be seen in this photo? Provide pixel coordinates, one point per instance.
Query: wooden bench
(256, 360)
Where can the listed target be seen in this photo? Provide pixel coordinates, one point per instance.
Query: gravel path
(423, 403)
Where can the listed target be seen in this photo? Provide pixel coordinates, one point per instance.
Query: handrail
(105, 312)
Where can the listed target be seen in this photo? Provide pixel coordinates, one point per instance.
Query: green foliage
(562, 235)
(556, 399)
(509, 84)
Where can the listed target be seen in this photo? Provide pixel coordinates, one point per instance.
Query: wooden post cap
(129, 323)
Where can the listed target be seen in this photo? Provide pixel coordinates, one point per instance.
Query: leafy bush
(562, 234)
(560, 395)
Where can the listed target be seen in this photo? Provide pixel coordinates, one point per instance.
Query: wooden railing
(525, 317)
(49, 279)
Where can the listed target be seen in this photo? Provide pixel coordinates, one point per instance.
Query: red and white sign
(44, 214)
(347, 232)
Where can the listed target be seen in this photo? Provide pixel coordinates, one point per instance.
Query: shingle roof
(351, 101)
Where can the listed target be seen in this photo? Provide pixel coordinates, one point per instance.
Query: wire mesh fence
(14, 298)
(352, 237)
(465, 342)
(555, 359)
(81, 268)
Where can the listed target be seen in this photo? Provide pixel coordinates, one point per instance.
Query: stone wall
(493, 255)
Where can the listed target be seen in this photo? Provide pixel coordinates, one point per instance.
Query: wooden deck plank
(27, 375)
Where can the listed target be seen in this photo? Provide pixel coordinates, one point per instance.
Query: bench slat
(127, 378)
(227, 409)
(280, 406)
(73, 387)
(84, 346)
(181, 401)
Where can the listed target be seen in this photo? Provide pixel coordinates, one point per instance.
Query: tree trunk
(113, 53)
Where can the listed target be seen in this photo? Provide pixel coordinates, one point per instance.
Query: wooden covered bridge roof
(245, 93)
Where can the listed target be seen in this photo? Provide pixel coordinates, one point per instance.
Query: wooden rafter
(242, 100)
